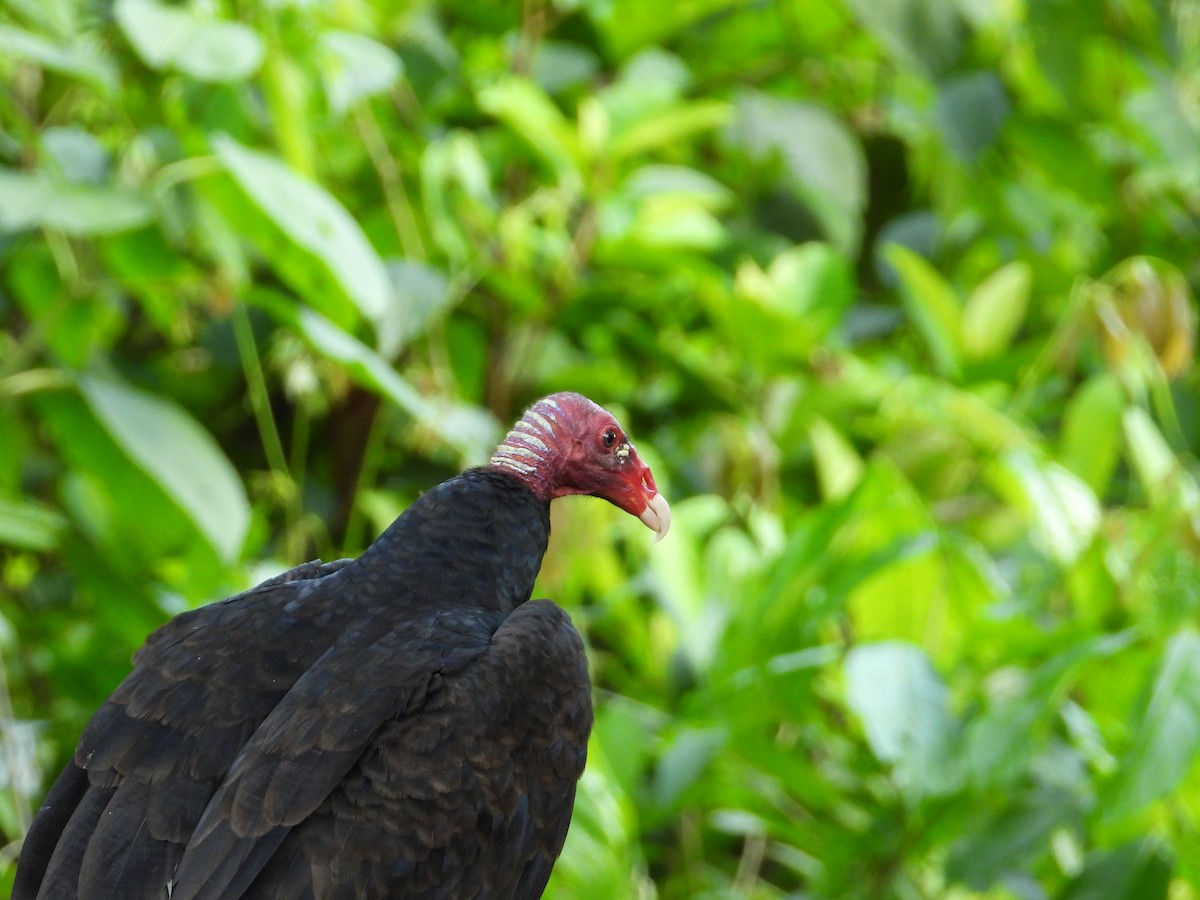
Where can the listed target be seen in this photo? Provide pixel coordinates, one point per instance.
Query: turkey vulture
(403, 724)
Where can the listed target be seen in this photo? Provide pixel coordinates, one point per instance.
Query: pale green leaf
(1090, 439)
(354, 67)
(1165, 735)
(312, 219)
(971, 110)
(79, 58)
(36, 199)
(470, 431)
(30, 526)
(669, 127)
(526, 109)
(926, 35)
(904, 708)
(839, 467)
(1162, 475)
(173, 37)
(178, 454)
(932, 305)
(995, 310)
(1005, 841)
(822, 159)
(1061, 508)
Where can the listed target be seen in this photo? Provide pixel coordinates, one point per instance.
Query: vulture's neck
(475, 540)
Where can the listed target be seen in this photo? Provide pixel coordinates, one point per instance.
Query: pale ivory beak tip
(657, 516)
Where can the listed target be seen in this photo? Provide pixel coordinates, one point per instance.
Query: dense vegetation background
(894, 295)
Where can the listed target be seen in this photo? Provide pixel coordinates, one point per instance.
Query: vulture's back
(352, 729)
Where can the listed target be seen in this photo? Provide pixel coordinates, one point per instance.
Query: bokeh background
(895, 296)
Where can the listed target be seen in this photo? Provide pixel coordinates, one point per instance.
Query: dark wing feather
(158, 747)
(312, 739)
(47, 829)
(468, 797)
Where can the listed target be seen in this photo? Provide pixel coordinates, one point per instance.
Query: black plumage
(405, 724)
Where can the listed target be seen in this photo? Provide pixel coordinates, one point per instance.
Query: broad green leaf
(38, 200)
(995, 310)
(839, 467)
(681, 585)
(82, 59)
(932, 305)
(312, 219)
(117, 507)
(173, 37)
(1165, 736)
(785, 312)
(1006, 841)
(174, 450)
(558, 65)
(666, 222)
(78, 156)
(1138, 870)
(1061, 508)
(30, 526)
(822, 159)
(971, 110)
(1162, 475)
(683, 763)
(925, 35)
(1090, 440)
(354, 67)
(904, 708)
(422, 295)
(469, 430)
(1002, 740)
(656, 180)
(526, 109)
(669, 128)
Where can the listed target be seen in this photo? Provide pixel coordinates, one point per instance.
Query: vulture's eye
(610, 438)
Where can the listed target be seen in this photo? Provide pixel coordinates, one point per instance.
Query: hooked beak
(657, 516)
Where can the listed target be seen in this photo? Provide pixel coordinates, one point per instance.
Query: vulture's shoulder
(426, 750)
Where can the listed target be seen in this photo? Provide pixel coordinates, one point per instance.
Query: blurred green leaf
(1165, 733)
(38, 200)
(176, 451)
(174, 37)
(1160, 472)
(1061, 508)
(1005, 843)
(79, 58)
(838, 465)
(926, 35)
(355, 67)
(821, 156)
(668, 127)
(1090, 444)
(526, 109)
(30, 526)
(932, 305)
(971, 110)
(422, 295)
(904, 709)
(470, 431)
(995, 310)
(682, 764)
(313, 220)
(1138, 870)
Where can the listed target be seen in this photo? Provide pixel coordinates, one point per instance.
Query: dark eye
(610, 438)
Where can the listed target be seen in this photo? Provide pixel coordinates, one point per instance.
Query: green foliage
(895, 295)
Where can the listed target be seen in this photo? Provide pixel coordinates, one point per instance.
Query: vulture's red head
(566, 444)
